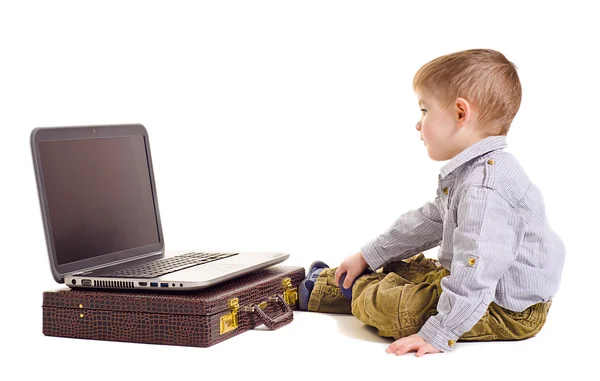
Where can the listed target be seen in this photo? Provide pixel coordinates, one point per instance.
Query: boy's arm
(413, 232)
(485, 242)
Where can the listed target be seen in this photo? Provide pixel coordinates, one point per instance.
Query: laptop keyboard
(164, 266)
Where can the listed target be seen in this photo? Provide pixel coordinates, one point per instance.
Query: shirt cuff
(440, 338)
(372, 256)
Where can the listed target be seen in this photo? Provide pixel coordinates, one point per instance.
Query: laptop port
(143, 284)
(86, 282)
(164, 285)
(153, 284)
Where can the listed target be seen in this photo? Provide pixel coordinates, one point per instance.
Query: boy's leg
(399, 304)
(501, 324)
(395, 305)
(416, 269)
(326, 296)
(496, 324)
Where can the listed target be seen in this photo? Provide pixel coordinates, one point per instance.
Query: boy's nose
(418, 126)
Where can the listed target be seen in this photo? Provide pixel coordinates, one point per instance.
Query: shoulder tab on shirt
(489, 177)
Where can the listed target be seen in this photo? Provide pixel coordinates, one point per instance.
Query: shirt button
(445, 190)
(451, 343)
(491, 162)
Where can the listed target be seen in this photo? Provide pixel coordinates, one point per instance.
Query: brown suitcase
(200, 318)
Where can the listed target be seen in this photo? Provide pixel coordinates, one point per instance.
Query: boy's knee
(376, 300)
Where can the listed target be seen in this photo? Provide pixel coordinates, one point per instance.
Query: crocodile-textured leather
(190, 318)
(279, 321)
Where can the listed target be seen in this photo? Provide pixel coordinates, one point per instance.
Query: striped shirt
(490, 223)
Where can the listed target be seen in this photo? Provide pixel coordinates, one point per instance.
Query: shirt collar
(484, 146)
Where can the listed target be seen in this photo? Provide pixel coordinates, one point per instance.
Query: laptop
(100, 214)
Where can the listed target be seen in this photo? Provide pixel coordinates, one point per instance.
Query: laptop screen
(99, 196)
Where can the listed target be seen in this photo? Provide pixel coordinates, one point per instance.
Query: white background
(289, 126)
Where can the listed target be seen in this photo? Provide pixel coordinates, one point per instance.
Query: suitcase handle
(278, 322)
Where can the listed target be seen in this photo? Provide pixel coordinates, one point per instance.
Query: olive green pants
(400, 298)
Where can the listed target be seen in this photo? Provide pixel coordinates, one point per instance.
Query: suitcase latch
(290, 293)
(229, 322)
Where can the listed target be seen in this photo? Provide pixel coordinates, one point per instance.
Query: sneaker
(307, 285)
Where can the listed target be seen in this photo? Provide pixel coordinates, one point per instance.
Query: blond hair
(484, 77)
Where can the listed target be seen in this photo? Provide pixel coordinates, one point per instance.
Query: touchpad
(222, 267)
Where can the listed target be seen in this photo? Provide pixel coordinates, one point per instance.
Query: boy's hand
(409, 344)
(353, 266)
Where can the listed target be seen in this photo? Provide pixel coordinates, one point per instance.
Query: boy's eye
(423, 110)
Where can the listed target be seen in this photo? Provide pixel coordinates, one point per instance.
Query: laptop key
(167, 265)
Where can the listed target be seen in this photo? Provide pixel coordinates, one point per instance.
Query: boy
(499, 261)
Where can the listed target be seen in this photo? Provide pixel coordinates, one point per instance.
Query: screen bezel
(43, 134)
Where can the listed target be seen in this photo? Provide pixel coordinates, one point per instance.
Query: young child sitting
(499, 263)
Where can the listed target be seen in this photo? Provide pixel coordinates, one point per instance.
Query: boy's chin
(435, 156)
(432, 155)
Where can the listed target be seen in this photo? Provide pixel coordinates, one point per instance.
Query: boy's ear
(462, 111)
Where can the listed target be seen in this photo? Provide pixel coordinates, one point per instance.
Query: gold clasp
(229, 322)
(290, 293)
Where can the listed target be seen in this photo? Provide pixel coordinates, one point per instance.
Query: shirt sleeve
(485, 244)
(412, 233)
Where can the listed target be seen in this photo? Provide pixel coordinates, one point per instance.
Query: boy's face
(438, 128)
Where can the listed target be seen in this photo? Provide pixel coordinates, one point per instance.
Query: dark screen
(99, 196)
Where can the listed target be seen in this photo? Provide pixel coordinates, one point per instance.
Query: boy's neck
(467, 140)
